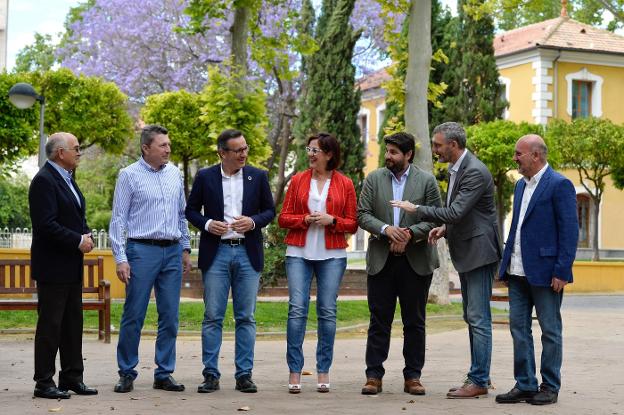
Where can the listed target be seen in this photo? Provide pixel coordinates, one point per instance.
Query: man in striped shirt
(151, 245)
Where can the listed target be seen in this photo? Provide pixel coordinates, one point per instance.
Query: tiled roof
(373, 80)
(559, 33)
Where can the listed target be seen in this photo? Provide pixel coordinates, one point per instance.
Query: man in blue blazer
(237, 203)
(536, 265)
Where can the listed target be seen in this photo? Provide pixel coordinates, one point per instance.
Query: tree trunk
(594, 227)
(417, 120)
(240, 31)
(417, 80)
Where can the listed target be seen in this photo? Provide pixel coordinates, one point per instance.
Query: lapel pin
(249, 178)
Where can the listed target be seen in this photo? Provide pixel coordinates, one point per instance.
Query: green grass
(270, 316)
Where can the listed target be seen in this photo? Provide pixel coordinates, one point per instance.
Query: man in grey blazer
(470, 226)
(399, 262)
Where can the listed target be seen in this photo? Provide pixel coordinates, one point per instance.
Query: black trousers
(59, 327)
(397, 280)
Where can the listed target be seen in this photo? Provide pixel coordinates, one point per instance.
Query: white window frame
(596, 93)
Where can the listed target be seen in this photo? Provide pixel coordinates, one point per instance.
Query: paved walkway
(593, 377)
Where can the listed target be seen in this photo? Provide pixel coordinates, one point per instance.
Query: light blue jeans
(329, 273)
(230, 268)
(522, 298)
(160, 268)
(476, 289)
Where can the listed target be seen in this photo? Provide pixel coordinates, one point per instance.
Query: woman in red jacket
(319, 209)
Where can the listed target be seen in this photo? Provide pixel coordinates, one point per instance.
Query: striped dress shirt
(148, 204)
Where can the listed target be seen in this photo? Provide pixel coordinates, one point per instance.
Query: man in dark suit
(60, 239)
(469, 220)
(237, 203)
(399, 262)
(537, 264)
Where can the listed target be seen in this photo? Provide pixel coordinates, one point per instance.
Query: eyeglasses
(240, 151)
(314, 150)
(77, 149)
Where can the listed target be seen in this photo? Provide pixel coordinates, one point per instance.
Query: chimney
(564, 8)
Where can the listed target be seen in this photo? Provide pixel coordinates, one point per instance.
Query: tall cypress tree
(330, 101)
(475, 93)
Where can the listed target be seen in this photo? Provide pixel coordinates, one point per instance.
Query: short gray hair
(55, 141)
(149, 132)
(452, 131)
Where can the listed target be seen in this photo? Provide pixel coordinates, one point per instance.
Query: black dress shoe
(245, 384)
(51, 392)
(125, 384)
(168, 384)
(515, 396)
(211, 384)
(544, 397)
(79, 388)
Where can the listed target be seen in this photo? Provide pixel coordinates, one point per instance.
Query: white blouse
(314, 248)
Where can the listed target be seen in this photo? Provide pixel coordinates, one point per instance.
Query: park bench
(14, 279)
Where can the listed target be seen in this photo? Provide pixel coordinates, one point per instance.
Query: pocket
(549, 251)
(469, 234)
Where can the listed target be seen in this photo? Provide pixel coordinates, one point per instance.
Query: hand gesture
(398, 235)
(86, 243)
(321, 219)
(218, 228)
(186, 263)
(404, 204)
(242, 224)
(123, 272)
(435, 234)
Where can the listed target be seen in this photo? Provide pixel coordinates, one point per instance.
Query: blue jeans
(329, 274)
(522, 297)
(476, 289)
(230, 268)
(159, 268)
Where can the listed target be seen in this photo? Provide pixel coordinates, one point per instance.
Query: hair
(329, 144)
(149, 132)
(55, 141)
(404, 141)
(226, 136)
(541, 149)
(452, 131)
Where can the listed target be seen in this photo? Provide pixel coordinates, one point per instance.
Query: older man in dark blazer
(470, 227)
(537, 265)
(231, 203)
(60, 239)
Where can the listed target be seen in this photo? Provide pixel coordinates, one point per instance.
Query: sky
(29, 16)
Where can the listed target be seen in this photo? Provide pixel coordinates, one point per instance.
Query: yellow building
(558, 68)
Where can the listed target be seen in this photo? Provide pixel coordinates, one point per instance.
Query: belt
(233, 241)
(156, 242)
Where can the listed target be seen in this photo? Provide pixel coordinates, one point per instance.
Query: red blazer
(341, 204)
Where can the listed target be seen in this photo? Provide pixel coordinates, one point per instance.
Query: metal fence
(22, 238)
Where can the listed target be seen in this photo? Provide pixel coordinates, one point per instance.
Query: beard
(395, 167)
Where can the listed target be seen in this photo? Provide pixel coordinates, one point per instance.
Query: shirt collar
(403, 176)
(64, 173)
(237, 174)
(537, 177)
(454, 167)
(150, 168)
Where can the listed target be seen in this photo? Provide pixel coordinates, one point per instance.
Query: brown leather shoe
(468, 390)
(372, 386)
(414, 387)
(489, 385)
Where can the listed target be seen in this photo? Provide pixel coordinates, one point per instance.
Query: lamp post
(23, 96)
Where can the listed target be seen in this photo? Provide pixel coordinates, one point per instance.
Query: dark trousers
(59, 327)
(397, 279)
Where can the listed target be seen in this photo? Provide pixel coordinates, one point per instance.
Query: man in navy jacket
(237, 203)
(536, 265)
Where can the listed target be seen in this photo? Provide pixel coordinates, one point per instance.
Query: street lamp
(23, 96)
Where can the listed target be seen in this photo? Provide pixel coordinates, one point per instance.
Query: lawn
(270, 316)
